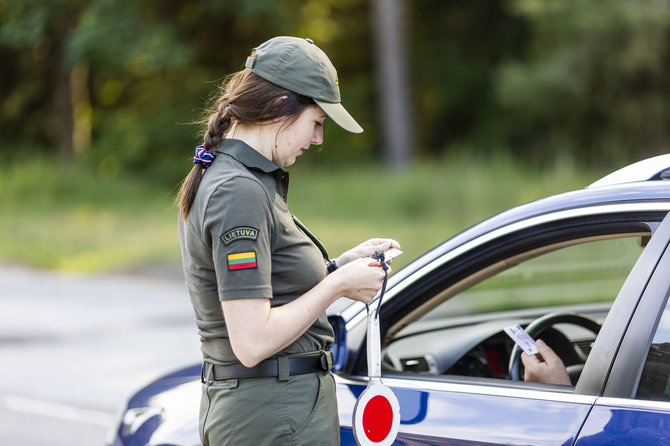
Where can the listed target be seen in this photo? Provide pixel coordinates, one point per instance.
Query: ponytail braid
(218, 125)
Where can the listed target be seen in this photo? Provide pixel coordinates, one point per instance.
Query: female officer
(257, 282)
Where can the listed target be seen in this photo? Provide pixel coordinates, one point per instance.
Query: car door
(634, 408)
(466, 414)
(479, 410)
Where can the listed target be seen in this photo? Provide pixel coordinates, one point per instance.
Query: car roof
(650, 169)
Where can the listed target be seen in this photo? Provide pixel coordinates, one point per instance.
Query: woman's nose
(317, 138)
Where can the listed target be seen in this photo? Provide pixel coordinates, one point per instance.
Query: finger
(379, 245)
(385, 245)
(389, 243)
(529, 360)
(377, 241)
(369, 261)
(378, 264)
(546, 351)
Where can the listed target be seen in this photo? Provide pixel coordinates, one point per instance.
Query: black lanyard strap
(312, 237)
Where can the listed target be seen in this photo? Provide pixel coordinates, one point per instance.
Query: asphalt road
(73, 348)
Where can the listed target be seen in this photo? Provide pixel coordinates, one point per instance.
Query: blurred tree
(37, 85)
(128, 79)
(132, 76)
(56, 45)
(594, 82)
(393, 93)
(456, 48)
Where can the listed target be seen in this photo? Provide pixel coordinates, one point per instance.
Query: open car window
(584, 273)
(463, 335)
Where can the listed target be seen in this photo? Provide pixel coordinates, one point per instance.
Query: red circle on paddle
(377, 418)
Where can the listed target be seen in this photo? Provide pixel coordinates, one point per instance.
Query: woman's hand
(360, 279)
(366, 249)
(257, 330)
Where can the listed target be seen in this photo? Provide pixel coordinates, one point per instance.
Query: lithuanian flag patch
(242, 260)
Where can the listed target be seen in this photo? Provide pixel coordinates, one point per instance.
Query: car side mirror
(340, 343)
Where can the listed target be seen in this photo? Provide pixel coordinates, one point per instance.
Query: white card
(522, 339)
(391, 253)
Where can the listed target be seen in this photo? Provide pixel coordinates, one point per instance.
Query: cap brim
(340, 116)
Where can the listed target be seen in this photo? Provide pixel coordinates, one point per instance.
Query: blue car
(587, 271)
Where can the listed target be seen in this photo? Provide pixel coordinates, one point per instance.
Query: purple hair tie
(202, 156)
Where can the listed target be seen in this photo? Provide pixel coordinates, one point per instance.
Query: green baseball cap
(302, 67)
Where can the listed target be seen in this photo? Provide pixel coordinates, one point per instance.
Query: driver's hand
(544, 367)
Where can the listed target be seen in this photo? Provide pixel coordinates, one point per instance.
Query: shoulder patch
(242, 260)
(239, 233)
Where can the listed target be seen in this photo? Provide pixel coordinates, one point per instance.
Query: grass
(72, 219)
(420, 206)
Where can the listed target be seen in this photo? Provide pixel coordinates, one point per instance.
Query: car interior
(559, 289)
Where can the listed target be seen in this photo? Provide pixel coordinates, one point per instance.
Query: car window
(578, 274)
(655, 379)
(463, 335)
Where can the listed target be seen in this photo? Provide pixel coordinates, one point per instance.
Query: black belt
(281, 367)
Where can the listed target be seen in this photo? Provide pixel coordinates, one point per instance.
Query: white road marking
(61, 411)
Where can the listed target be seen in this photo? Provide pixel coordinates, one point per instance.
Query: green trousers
(266, 411)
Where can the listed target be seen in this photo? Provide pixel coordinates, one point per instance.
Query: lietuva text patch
(242, 260)
(239, 233)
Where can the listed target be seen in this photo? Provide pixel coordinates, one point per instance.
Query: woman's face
(297, 137)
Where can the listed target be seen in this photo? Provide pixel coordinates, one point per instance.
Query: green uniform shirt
(240, 242)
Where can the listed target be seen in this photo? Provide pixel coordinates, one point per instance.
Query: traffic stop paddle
(377, 412)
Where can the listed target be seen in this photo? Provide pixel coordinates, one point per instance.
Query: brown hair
(248, 99)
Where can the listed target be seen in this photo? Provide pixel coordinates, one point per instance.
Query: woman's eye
(318, 124)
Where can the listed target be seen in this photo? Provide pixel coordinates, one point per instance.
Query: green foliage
(595, 78)
(25, 23)
(120, 38)
(76, 219)
(424, 204)
(118, 84)
(148, 68)
(73, 219)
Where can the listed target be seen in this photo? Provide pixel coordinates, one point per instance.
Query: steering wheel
(539, 325)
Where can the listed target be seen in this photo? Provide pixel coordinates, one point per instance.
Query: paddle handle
(374, 347)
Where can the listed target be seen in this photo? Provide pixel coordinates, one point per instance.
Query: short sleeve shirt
(240, 241)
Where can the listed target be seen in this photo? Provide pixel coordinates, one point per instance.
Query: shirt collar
(248, 156)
